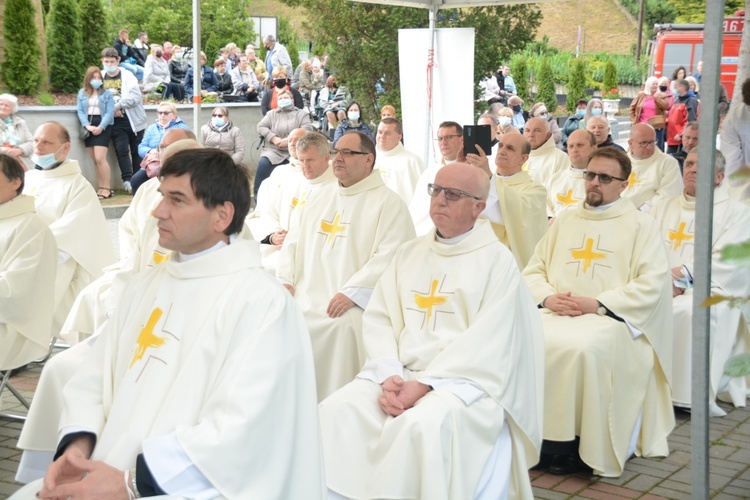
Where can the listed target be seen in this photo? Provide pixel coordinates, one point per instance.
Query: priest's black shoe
(562, 465)
(545, 459)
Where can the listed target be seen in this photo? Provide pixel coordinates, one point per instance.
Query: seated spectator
(261, 73)
(490, 88)
(140, 49)
(352, 123)
(178, 66)
(510, 84)
(127, 57)
(519, 115)
(505, 121)
(280, 82)
(599, 126)
(224, 56)
(15, 137)
(166, 119)
(539, 110)
(244, 82)
(168, 48)
(309, 79)
(156, 76)
(333, 101)
(387, 111)
(223, 78)
(208, 81)
(574, 122)
(220, 133)
(232, 55)
(295, 76)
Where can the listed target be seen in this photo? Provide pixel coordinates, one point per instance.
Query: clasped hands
(565, 304)
(398, 395)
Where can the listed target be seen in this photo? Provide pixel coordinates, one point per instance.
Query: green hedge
(20, 70)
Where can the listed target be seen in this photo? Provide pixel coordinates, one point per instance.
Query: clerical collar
(601, 208)
(455, 240)
(449, 162)
(181, 257)
(508, 176)
(11, 200)
(54, 166)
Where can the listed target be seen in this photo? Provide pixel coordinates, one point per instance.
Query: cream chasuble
(729, 332)
(565, 190)
(67, 203)
(524, 218)
(432, 320)
(598, 377)
(280, 175)
(214, 352)
(28, 263)
(400, 170)
(653, 179)
(345, 239)
(545, 160)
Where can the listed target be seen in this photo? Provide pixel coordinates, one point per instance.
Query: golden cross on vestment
(586, 254)
(331, 229)
(677, 237)
(299, 202)
(160, 257)
(568, 199)
(427, 302)
(146, 338)
(633, 180)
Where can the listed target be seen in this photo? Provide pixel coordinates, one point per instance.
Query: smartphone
(477, 135)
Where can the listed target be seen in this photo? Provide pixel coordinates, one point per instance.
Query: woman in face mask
(539, 110)
(574, 122)
(594, 108)
(275, 127)
(505, 124)
(96, 112)
(279, 83)
(156, 76)
(220, 133)
(352, 123)
(650, 106)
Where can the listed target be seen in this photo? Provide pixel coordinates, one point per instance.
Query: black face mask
(663, 88)
(280, 83)
(158, 53)
(517, 108)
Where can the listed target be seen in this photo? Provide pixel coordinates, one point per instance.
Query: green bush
(576, 84)
(64, 49)
(288, 38)
(46, 99)
(545, 85)
(93, 19)
(520, 73)
(20, 70)
(610, 77)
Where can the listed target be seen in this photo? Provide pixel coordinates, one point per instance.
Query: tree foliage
(610, 76)
(576, 84)
(545, 86)
(95, 39)
(20, 70)
(519, 70)
(288, 38)
(64, 47)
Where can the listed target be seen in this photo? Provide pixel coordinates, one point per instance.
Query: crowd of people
(389, 329)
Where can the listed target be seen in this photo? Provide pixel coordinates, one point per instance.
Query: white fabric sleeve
(62, 256)
(173, 470)
(467, 390)
(360, 296)
(492, 210)
(378, 370)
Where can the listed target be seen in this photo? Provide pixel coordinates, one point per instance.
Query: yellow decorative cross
(332, 228)
(586, 254)
(160, 257)
(633, 180)
(568, 199)
(677, 237)
(147, 338)
(427, 302)
(298, 202)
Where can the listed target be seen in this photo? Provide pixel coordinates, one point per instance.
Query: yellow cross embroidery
(427, 302)
(586, 254)
(633, 180)
(332, 228)
(147, 338)
(568, 199)
(298, 202)
(160, 257)
(677, 237)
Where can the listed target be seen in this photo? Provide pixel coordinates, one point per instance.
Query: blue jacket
(208, 83)
(154, 133)
(106, 108)
(345, 127)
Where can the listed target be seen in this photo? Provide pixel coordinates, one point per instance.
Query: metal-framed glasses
(451, 194)
(447, 138)
(603, 178)
(347, 153)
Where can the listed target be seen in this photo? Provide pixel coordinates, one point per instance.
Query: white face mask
(45, 161)
(505, 121)
(285, 103)
(353, 115)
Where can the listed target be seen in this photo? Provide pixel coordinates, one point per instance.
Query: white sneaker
(127, 187)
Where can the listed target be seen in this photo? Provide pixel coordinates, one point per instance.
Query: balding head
(294, 136)
(581, 143)
(599, 126)
(512, 152)
(455, 217)
(690, 136)
(690, 171)
(175, 134)
(179, 145)
(642, 142)
(537, 132)
(51, 138)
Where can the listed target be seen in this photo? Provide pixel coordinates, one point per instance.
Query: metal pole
(196, 65)
(640, 31)
(428, 114)
(704, 204)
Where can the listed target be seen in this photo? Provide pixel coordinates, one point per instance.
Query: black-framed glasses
(163, 113)
(603, 178)
(347, 153)
(451, 194)
(447, 138)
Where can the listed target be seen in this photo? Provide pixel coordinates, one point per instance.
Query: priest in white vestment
(67, 203)
(333, 257)
(450, 141)
(545, 158)
(601, 278)
(729, 331)
(566, 189)
(516, 203)
(449, 403)
(655, 175)
(28, 262)
(399, 167)
(288, 199)
(205, 363)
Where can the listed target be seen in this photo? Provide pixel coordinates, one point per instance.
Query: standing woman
(96, 112)
(220, 133)
(15, 137)
(650, 106)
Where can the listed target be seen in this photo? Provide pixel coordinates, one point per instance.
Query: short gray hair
(720, 162)
(314, 140)
(269, 38)
(489, 116)
(13, 100)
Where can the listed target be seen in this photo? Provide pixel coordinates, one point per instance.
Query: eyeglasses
(446, 138)
(646, 143)
(451, 194)
(163, 113)
(603, 178)
(347, 153)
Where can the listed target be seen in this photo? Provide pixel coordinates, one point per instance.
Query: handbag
(658, 121)
(85, 133)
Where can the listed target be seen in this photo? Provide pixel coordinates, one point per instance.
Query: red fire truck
(678, 45)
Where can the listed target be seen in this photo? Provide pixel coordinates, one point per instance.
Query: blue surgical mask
(544, 116)
(505, 121)
(285, 103)
(179, 56)
(580, 113)
(110, 69)
(217, 121)
(96, 83)
(353, 116)
(596, 111)
(45, 161)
